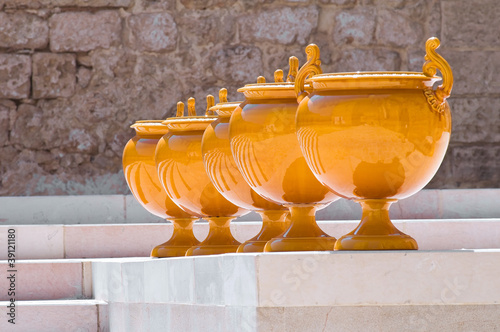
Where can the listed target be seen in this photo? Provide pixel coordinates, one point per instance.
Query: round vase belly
(265, 148)
(141, 176)
(375, 137)
(224, 173)
(181, 171)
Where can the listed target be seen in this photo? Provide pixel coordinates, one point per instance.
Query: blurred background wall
(75, 74)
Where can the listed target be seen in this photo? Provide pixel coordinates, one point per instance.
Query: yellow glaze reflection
(224, 173)
(375, 137)
(141, 176)
(266, 150)
(180, 167)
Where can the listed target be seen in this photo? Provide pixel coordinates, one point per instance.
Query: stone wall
(75, 74)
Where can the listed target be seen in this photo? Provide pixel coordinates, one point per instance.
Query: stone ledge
(59, 315)
(137, 240)
(182, 317)
(305, 279)
(48, 279)
(112, 209)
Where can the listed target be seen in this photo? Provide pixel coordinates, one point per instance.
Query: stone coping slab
(112, 209)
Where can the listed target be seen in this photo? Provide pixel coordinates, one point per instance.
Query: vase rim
(359, 74)
(150, 127)
(226, 108)
(373, 80)
(189, 123)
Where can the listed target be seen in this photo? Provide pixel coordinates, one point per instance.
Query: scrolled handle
(433, 62)
(310, 68)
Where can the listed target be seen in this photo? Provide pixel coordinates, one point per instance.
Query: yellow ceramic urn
(266, 150)
(179, 163)
(224, 173)
(141, 176)
(375, 137)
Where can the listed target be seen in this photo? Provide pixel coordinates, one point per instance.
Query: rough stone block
(471, 23)
(240, 64)
(82, 32)
(475, 120)
(474, 72)
(367, 60)
(21, 30)
(84, 76)
(6, 108)
(339, 2)
(26, 126)
(283, 25)
(53, 75)
(155, 5)
(397, 30)
(356, 26)
(434, 25)
(476, 166)
(417, 10)
(15, 74)
(39, 4)
(154, 32)
(204, 4)
(206, 27)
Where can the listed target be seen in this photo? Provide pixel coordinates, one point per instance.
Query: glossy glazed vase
(375, 137)
(179, 163)
(222, 170)
(266, 151)
(141, 176)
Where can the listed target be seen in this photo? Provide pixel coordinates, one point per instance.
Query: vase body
(226, 177)
(374, 137)
(266, 150)
(140, 173)
(179, 164)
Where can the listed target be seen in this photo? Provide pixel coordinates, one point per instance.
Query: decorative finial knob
(210, 103)
(191, 107)
(294, 67)
(223, 95)
(278, 75)
(261, 80)
(180, 109)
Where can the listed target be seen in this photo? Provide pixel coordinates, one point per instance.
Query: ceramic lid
(277, 90)
(192, 122)
(150, 128)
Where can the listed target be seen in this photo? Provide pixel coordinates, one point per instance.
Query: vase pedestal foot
(219, 239)
(374, 242)
(182, 239)
(376, 230)
(201, 249)
(274, 223)
(166, 250)
(303, 234)
(324, 243)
